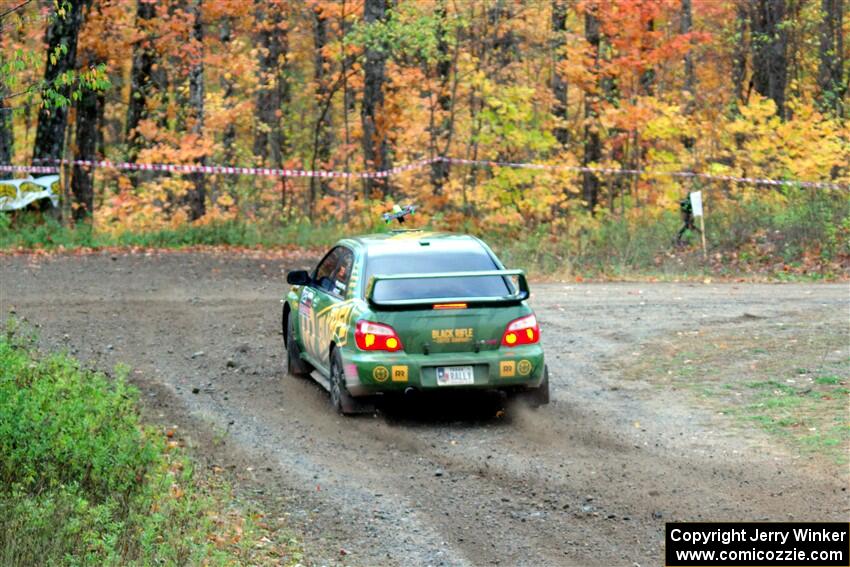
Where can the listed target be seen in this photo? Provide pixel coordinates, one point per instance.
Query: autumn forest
(588, 93)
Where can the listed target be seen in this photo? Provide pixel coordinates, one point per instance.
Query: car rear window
(435, 260)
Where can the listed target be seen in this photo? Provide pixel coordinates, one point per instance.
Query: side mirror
(298, 277)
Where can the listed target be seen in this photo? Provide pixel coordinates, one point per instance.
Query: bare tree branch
(14, 9)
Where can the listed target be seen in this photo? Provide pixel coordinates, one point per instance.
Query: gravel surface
(589, 480)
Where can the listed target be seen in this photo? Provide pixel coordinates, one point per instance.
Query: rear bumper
(369, 373)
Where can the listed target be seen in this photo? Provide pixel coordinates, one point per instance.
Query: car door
(331, 287)
(307, 303)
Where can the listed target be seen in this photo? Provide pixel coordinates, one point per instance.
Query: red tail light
(522, 331)
(375, 336)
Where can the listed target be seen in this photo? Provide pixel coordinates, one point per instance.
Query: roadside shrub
(789, 225)
(62, 426)
(754, 230)
(82, 482)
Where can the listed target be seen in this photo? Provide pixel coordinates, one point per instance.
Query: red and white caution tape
(28, 168)
(684, 174)
(272, 172)
(213, 169)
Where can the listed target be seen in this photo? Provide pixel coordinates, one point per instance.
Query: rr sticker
(524, 367)
(380, 373)
(399, 373)
(507, 368)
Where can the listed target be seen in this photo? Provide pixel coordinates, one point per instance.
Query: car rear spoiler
(519, 295)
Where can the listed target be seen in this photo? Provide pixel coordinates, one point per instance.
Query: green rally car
(413, 311)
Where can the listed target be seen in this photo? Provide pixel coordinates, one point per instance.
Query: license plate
(455, 376)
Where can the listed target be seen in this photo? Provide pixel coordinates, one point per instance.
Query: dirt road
(588, 480)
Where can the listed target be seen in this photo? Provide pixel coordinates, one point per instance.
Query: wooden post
(702, 234)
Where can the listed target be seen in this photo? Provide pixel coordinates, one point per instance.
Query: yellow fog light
(510, 338)
(392, 342)
(370, 340)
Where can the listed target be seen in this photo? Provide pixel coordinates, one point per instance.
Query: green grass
(789, 235)
(31, 231)
(84, 482)
(798, 393)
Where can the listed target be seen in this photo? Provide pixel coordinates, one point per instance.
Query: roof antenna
(398, 213)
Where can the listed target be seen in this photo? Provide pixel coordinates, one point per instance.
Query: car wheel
(538, 396)
(295, 365)
(343, 402)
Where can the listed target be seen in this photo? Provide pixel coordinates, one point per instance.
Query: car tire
(343, 402)
(295, 365)
(536, 397)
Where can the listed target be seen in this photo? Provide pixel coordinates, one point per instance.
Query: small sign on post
(696, 206)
